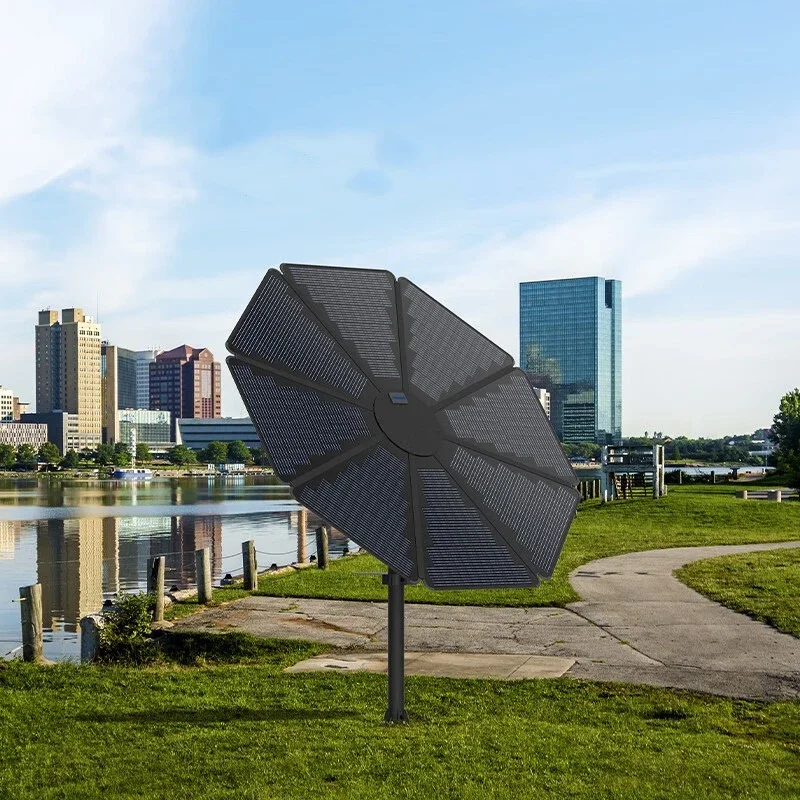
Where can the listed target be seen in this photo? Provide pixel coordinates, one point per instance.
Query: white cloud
(78, 78)
(133, 233)
(80, 75)
(75, 77)
(678, 372)
(647, 237)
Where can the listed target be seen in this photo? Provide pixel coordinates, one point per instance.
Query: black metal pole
(397, 668)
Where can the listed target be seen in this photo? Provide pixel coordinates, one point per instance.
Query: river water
(86, 540)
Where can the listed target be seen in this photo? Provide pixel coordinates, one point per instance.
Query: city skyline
(156, 179)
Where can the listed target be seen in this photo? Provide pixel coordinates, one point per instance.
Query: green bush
(125, 637)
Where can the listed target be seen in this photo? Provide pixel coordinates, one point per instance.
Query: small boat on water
(132, 474)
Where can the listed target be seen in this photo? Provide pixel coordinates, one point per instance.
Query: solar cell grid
(299, 427)
(278, 330)
(446, 355)
(506, 417)
(369, 499)
(360, 305)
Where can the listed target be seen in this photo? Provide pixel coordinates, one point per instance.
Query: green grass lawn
(688, 515)
(245, 731)
(189, 606)
(765, 586)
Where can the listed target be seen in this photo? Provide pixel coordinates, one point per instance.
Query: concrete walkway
(636, 623)
(686, 639)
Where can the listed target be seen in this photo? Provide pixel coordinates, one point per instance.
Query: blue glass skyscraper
(571, 344)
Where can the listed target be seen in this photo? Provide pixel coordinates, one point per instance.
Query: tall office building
(68, 373)
(134, 377)
(571, 345)
(187, 382)
(126, 384)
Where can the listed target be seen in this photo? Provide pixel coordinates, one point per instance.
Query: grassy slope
(689, 515)
(231, 731)
(765, 586)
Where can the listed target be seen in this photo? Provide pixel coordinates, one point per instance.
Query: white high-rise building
(6, 404)
(544, 399)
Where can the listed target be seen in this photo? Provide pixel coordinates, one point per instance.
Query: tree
(71, 460)
(143, 455)
(181, 454)
(239, 452)
(8, 456)
(122, 455)
(260, 457)
(104, 454)
(216, 453)
(26, 455)
(588, 450)
(50, 453)
(786, 435)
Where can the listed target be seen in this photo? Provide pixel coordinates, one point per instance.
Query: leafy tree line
(588, 450)
(217, 452)
(786, 435)
(712, 450)
(119, 455)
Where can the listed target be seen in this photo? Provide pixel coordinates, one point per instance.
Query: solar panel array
(348, 373)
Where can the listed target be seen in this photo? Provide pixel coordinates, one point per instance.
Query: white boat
(132, 474)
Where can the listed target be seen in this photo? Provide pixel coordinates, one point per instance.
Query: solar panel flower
(404, 427)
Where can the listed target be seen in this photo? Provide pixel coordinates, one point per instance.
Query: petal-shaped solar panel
(404, 427)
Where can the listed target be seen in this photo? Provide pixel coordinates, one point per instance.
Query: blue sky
(157, 157)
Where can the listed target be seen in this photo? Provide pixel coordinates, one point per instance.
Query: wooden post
(583, 490)
(249, 565)
(30, 609)
(680, 477)
(202, 563)
(155, 585)
(713, 478)
(302, 521)
(322, 548)
(90, 636)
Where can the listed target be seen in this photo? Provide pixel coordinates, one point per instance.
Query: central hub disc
(408, 423)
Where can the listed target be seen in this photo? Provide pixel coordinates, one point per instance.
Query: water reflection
(9, 535)
(87, 541)
(69, 565)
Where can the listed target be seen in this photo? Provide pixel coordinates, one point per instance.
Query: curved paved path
(685, 638)
(636, 623)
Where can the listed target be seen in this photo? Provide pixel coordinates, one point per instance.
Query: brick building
(187, 382)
